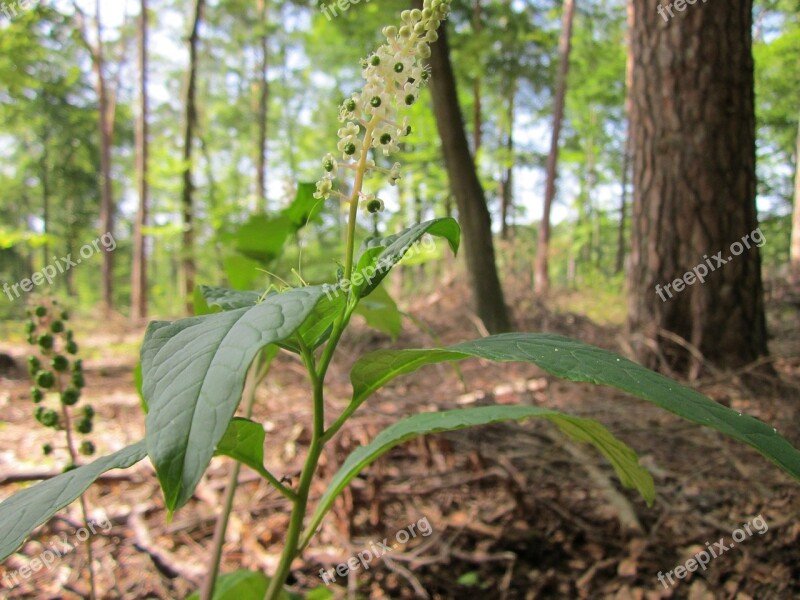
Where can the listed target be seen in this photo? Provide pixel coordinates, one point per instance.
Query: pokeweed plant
(194, 370)
(57, 376)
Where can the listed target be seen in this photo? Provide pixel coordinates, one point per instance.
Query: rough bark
(139, 267)
(626, 158)
(508, 175)
(473, 213)
(693, 131)
(541, 275)
(187, 194)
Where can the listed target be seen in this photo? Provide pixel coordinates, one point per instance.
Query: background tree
(139, 275)
(693, 129)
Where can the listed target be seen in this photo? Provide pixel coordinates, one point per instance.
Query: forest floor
(509, 511)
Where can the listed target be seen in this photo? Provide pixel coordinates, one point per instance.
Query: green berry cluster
(55, 373)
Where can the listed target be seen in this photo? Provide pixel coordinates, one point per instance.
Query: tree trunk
(626, 158)
(508, 198)
(795, 249)
(187, 194)
(261, 117)
(472, 210)
(693, 132)
(477, 113)
(541, 277)
(139, 267)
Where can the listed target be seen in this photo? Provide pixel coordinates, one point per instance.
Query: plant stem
(257, 372)
(361, 169)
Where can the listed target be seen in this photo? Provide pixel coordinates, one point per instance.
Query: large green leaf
(575, 361)
(316, 329)
(261, 237)
(208, 299)
(194, 371)
(381, 312)
(24, 511)
(623, 459)
(304, 208)
(379, 255)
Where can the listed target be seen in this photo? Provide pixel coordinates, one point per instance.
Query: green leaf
(24, 511)
(304, 208)
(576, 361)
(622, 458)
(262, 237)
(137, 382)
(242, 272)
(379, 255)
(317, 327)
(209, 300)
(240, 585)
(194, 371)
(244, 441)
(381, 312)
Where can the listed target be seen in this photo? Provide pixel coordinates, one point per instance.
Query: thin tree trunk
(472, 210)
(477, 115)
(508, 198)
(187, 195)
(263, 97)
(541, 277)
(693, 130)
(139, 267)
(626, 158)
(795, 249)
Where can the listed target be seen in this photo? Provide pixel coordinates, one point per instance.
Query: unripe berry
(70, 396)
(40, 311)
(37, 395)
(87, 448)
(57, 326)
(84, 426)
(59, 363)
(45, 379)
(45, 341)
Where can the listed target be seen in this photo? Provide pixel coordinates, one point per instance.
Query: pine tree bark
(693, 131)
(473, 213)
(139, 267)
(541, 275)
(188, 266)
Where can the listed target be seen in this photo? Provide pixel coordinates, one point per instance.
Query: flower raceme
(394, 75)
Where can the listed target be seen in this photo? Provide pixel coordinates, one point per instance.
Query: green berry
(49, 418)
(30, 327)
(426, 75)
(64, 315)
(88, 411)
(47, 449)
(34, 364)
(45, 341)
(69, 334)
(87, 448)
(327, 165)
(410, 99)
(45, 379)
(374, 206)
(70, 396)
(37, 395)
(84, 426)
(78, 381)
(57, 326)
(59, 363)
(40, 311)
(72, 347)
(398, 68)
(39, 413)
(350, 105)
(375, 60)
(350, 149)
(77, 366)
(408, 130)
(386, 138)
(376, 101)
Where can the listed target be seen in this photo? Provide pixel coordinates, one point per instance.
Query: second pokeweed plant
(194, 371)
(56, 373)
